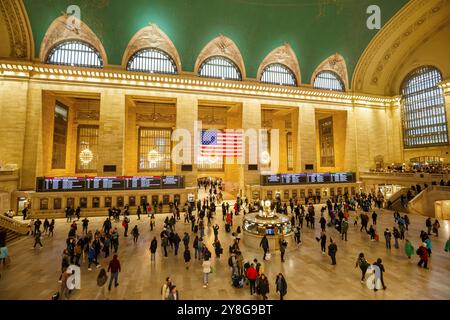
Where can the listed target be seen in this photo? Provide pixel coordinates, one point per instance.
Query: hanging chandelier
(86, 156)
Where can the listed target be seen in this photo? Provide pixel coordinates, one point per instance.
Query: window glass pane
(423, 109)
(220, 68)
(155, 149)
(279, 74)
(87, 148)
(76, 54)
(326, 142)
(60, 137)
(328, 80)
(290, 151)
(152, 60)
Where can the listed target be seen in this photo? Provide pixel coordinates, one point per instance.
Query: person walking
(429, 225)
(125, 223)
(138, 212)
(37, 239)
(332, 250)
(187, 257)
(283, 246)
(92, 257)
(165, 289)
(380, 265)
(135, 233)
(409, 249)
(396, 237)
(85, 224)
(323, 223)
(297, 235)
(374, 218)
(186, 240)
(164, 244)
(344, 228)
(153, 248)
(218, 248)
(114, 267)
(252, 275)
(388, 236)
(51, 227)
(323, 241)
(363, 265)
(206, 265)
(176, 242)
(265, 245)
(281, 285)
(263, 286)
(436, 227)
(173, 294)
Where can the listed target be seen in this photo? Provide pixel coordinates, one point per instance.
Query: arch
(225, 47)
(16, 36)
(403, 34)
(336, 64)
(65, 28)
(86, 55)
(149, 37)
(152, 60)
(220, 67)
(284, 55)
(328, 80)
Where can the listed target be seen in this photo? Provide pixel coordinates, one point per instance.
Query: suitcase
(377, 237)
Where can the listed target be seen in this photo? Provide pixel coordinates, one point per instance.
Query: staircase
(396, 201)
(423, 203)
(11, 229)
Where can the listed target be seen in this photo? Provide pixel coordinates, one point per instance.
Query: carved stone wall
(222, 46)
(151, 37)
(284, 55)
(335, 63)
(68, 27)
(19, 36)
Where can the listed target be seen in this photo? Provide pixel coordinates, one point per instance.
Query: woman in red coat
(423, 253)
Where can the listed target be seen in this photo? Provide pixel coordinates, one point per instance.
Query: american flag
(217, 143)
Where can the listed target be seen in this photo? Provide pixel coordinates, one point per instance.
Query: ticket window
(43, 204)
(339, 191)
(353, 191)
(57, 203)
(155, 200)
(332, 194)
(70, 202)
(95, 202)
(277, 196)
(166, 199)
(286, 195)
(269, 195)
(302, 194)
(318, 192)
(294, 194)
(310, 193)
(119, 202)
(83, 203)
(325, 193)
(176, 198)
(143, 200)
(108, 202)
(132, 201)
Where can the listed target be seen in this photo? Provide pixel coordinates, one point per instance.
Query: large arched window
(277, 73)
(75, 53)
(152, 60)
(423, 109)
(220, 68)
(328, 80)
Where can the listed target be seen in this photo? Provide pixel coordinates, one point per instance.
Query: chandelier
(86, 156)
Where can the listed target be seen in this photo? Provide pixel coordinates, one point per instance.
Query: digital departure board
(55, 184)
(308, 178)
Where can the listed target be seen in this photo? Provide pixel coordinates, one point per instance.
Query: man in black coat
(265, 245)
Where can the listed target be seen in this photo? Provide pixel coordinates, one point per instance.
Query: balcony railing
(13, 225)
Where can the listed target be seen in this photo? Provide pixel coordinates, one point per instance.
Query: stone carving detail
(151, 37)
(284, 55)
(394, 27)
(222, 46)
(152, 117)
(20, 39)
(88, 115)
(335, 63)
(70, 28)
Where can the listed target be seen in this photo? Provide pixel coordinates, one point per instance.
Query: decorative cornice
(68, 27)
(114, 78)
(284, 55)
(335, 63)
(222, 46)
(151, 37)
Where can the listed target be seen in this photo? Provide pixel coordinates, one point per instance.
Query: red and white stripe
(229, 144)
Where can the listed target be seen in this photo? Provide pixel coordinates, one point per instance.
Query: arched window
(277, 73)
(328, 80)
(152, 60)
(423, 109)
(75, 53)
(220, 68)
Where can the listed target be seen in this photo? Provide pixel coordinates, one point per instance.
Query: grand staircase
(13, 229)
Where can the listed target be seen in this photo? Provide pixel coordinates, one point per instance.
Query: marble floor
(33, 273)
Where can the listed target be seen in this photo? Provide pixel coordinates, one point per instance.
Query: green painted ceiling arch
(314, 28)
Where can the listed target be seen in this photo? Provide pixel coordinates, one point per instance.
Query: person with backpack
(265, 245)
(332, 249)
(281, 285)
(283, 246)
(409, 249)
(363, 265)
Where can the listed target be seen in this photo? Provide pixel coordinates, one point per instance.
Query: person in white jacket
(206, 270)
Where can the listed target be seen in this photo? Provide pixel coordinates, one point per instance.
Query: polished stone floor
(33, 273)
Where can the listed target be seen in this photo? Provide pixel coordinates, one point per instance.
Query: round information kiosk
(267, 222)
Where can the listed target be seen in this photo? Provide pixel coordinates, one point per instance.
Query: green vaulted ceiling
(315, 29)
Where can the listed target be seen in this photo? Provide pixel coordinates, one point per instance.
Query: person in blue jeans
(388, 236)
(114, 267)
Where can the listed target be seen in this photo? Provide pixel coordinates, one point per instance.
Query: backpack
(230, 261)
(418, 251)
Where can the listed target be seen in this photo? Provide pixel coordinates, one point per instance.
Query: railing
(13, 225)
(420, 176)
(414, 205)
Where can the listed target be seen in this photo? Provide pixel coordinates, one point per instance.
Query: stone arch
(222, 46)
(284, 55)
(151, 37)
(68, 27)
(335, 63)
(16, 36)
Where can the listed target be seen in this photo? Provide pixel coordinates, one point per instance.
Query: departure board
(148, 182)
(61, 184)
(105, 183)
(308, 178)
(172, 182)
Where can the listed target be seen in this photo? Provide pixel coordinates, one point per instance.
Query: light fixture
(86, 156)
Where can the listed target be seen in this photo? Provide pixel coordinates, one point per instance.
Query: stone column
(306, 145)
